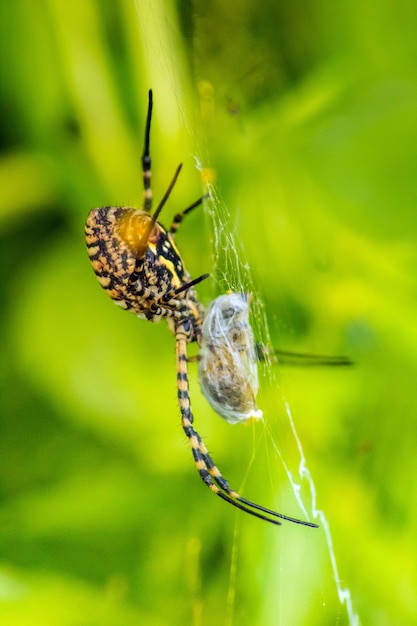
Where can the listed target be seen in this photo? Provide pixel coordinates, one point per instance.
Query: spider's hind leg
(207, 469)
(234, 497)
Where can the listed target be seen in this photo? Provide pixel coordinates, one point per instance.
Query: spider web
(233, 274)
(159, 36)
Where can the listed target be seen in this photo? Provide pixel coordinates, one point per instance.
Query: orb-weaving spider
(137, 263)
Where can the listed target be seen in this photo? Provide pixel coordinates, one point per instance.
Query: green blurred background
(306, 114)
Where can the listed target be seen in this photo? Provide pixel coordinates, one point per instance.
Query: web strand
(233, 274)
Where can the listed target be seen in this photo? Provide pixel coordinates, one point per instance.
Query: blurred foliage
(306, 113)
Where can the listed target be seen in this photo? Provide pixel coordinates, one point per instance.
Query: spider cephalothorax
(137, 263)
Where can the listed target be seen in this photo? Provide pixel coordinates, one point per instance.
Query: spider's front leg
(207, 469)
(183, 309)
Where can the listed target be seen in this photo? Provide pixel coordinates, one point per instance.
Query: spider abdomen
(138, 265)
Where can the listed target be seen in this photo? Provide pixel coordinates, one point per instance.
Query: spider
(138, 264)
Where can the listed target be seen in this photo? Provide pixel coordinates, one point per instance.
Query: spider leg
(206, 476)
(312, 360)
(180, 216)
(146, 158)
(224, 485)
(171, 294)
(286, 357)
(209, 472)
(166, 194)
